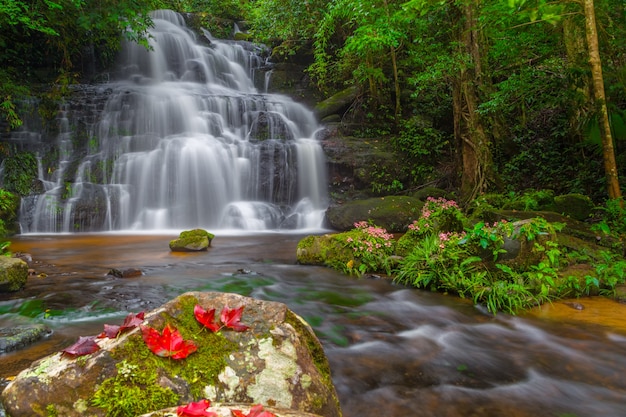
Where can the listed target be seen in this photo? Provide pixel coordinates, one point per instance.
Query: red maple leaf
(169, 344)
(206, 318)
(255, 411)
(131, 321)
(84, 346)
(196, 409)
(231, 318)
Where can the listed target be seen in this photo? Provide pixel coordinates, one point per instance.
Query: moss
(131, 392)
(146, 369)
(318, 403)
(51, 411)
(196, 239)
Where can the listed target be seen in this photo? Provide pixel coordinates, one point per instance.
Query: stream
(394, 351)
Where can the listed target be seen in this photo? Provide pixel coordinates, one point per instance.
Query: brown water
(394, 351)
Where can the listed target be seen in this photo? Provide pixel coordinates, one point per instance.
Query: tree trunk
(472, 136)
(610, 166)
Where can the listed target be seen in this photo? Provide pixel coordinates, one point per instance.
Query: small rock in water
(127, 273)
(575, 306)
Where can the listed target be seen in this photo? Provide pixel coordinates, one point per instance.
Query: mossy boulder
(336, 104)
(15, 338)
(393, 213)
(328, 250)
(576, 206)
(13, 274)
(277, 362)
(192, 241)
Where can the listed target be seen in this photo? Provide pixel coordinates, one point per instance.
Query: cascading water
(184, 140)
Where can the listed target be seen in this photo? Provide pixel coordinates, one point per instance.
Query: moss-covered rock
(393, 213)
(15, 338)
(336, 104)
(576, 206)
(192, 241)
(277, 361)
(13, 274)
(329, 250)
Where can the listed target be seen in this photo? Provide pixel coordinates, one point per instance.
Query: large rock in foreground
(13, 274)
(277, 362)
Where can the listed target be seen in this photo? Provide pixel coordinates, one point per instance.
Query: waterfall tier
(182, 139)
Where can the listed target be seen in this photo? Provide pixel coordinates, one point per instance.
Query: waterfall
(183, 139)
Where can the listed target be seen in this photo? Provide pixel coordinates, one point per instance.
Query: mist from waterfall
(184, 139)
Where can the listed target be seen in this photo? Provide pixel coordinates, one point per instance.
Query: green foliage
(53, 34)
(613, 222)
(4, 248)
(467, 262)
(20, 170)
(355, 41)
(422, 146)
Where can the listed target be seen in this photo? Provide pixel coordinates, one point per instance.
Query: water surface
(394, 351)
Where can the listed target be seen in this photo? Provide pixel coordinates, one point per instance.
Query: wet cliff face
(181, 136)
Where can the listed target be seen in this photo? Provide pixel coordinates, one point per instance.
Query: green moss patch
(141, 383)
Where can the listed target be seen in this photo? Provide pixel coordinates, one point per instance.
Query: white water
(186, 140)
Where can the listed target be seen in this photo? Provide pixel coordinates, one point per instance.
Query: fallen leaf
(255, 411)
(130, 322)
(231, 318)
(206, 318)
(196, 409)
(169, 343)
(84, 346)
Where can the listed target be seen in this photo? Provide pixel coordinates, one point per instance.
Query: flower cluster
(438, 215)
(371, 246)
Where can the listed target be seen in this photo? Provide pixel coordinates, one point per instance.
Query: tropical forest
(423, 198)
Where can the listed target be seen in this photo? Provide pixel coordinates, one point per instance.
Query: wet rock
(276, 362)
(13, 274)
(576, 206)
(393, 213)
(575, 305)
(126, 273)
(192, 241)
(15, 338)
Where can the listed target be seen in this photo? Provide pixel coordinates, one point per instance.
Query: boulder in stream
(192, 241)
(276, 361)
(13, 274)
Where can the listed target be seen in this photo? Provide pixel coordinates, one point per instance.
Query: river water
(394, 351)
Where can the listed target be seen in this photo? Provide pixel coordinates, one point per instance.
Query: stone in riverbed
(13, 274)
(192, 241)
(15, 338)
(277, 362)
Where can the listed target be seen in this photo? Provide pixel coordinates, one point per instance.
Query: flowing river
(393, 351)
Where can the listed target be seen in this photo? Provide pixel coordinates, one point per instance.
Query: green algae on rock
(13, 274)
(192, 241)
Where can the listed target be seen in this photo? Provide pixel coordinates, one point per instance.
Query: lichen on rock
(277, 361)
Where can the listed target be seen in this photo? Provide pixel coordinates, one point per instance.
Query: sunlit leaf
(130, 322)
(255, 411)
(197, 409)
(169, 343)
(231, 318)
(84, 346)
(206, 318)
